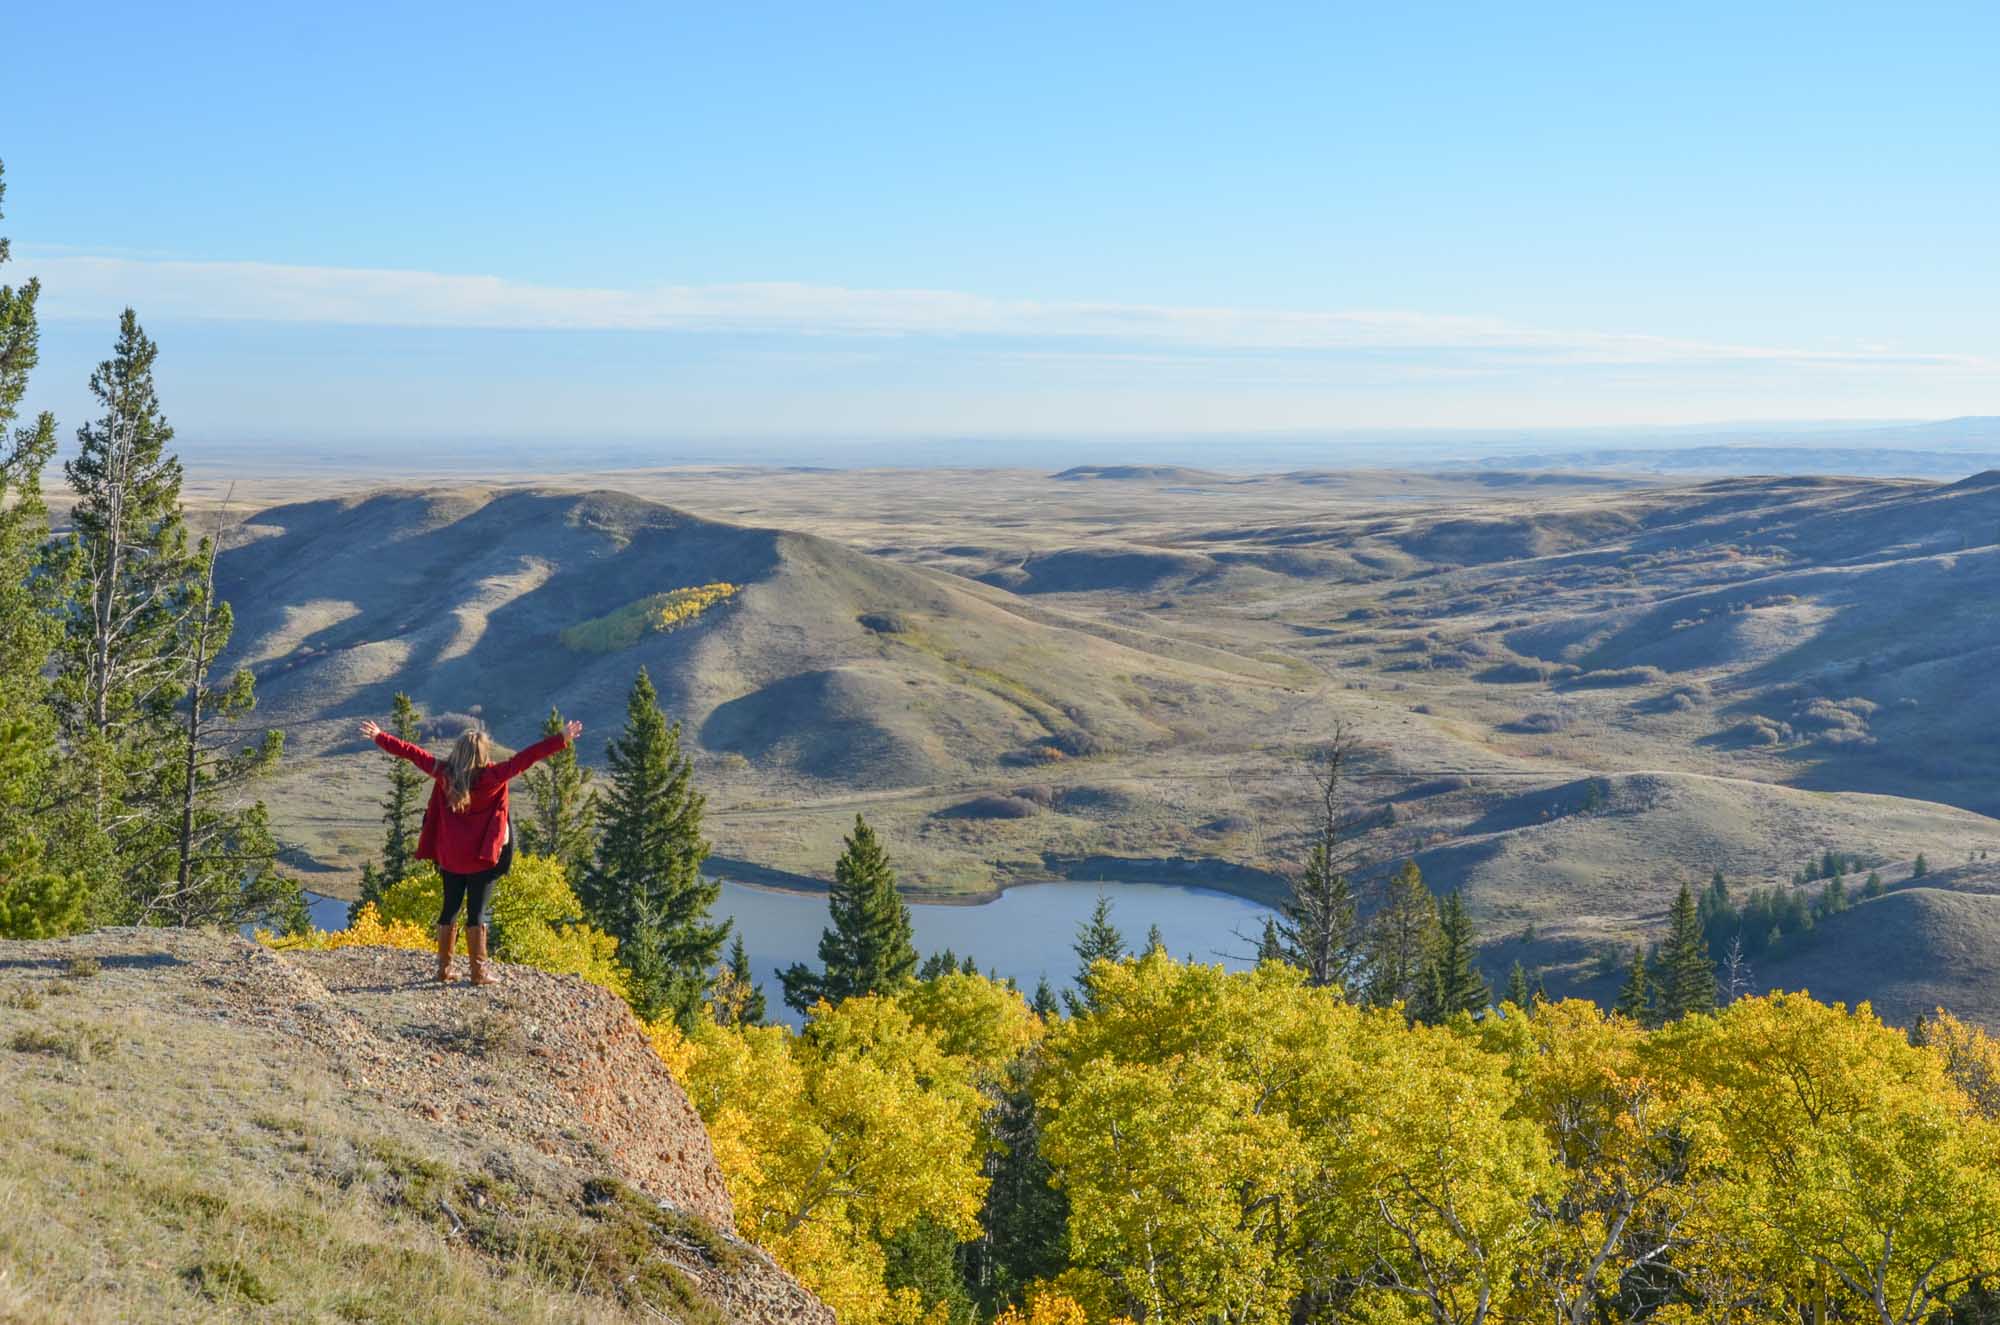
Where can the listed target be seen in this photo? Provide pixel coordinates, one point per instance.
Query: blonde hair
(472, 753)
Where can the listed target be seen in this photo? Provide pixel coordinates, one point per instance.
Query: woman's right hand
(571, 730)
(369, 729)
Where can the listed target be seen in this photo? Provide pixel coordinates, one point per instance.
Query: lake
(1026, 933)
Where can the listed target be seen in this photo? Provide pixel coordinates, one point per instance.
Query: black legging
(474, 891)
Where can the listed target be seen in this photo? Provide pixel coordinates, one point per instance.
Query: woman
(466, 830)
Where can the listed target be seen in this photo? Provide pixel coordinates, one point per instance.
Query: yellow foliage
(836, 1138)
(1045, 1307)
(533, 911)
(368, 930)
(1969, 1056)
(973, 1018)
(634, 621)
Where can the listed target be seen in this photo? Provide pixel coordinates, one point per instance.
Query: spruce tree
(1270, 947)
(739, 999)
(403, 808)
(1519, 992)
(1318, 927)
(1687, 975)
(1155, 940)
(869, 949)
(645, 886)
(1452, 982)
(1097, 939)
(1635, 999)
(561, 818)
(1317, 923)
(1920, 867)
(1044, 1002)
(1401, 940)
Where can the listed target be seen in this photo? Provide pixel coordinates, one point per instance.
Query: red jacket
(469, 840)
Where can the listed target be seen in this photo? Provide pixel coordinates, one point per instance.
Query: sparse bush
(1535, 724)
(884, 623)
(25, 998)
(227, 1281)
(76, 1041)
(81, 968)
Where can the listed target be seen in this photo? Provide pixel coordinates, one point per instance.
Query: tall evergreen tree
(1452, 982)
(223, 855)
(561, 822)
(869, 949)
(1401, 940)
(1317, 923)
(1155, 940)
(1686, 974)
(1271, 946)
(1044, 1002)
(1519, 992)
(1097, 939)
(37, 899)
(132, 589)
(403, 808)
(646, 887)
(1635, 999)
(738, 999)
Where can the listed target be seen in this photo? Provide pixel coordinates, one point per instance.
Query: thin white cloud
(78, 285)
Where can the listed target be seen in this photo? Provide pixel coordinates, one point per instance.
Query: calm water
(1025, 934)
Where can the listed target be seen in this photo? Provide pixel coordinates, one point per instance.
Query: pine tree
(129, 579)
(1097, 939)
(1687, 976)
(403, 810)
(738, 999)
(37, 899)
(1635, 1000)
(1402, 939)
(223, 855)
(1317, 923)
(1155, 940)
(1271, 947)
(869, 949)
(1920, 868)
(645, 887)
(561, 822)
(1452, 982)
(1044, 1002)
(1873, 887)
(1519, 993)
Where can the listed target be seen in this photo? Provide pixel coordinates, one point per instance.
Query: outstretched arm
(536, 753)
(416, 754)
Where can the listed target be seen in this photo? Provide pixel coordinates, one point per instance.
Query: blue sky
(447, 222)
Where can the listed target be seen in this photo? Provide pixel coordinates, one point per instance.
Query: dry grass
(203, 1172)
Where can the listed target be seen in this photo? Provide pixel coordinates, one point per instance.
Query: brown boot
(475, 948)
(447, 938)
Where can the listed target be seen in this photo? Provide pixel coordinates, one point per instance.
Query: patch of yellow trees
(1240, 1147)
(1244, 1148)
(626, 626)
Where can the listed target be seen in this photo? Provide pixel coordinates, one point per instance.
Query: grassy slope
(170, 1161)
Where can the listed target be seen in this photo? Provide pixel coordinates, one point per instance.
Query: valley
(1577, 692)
